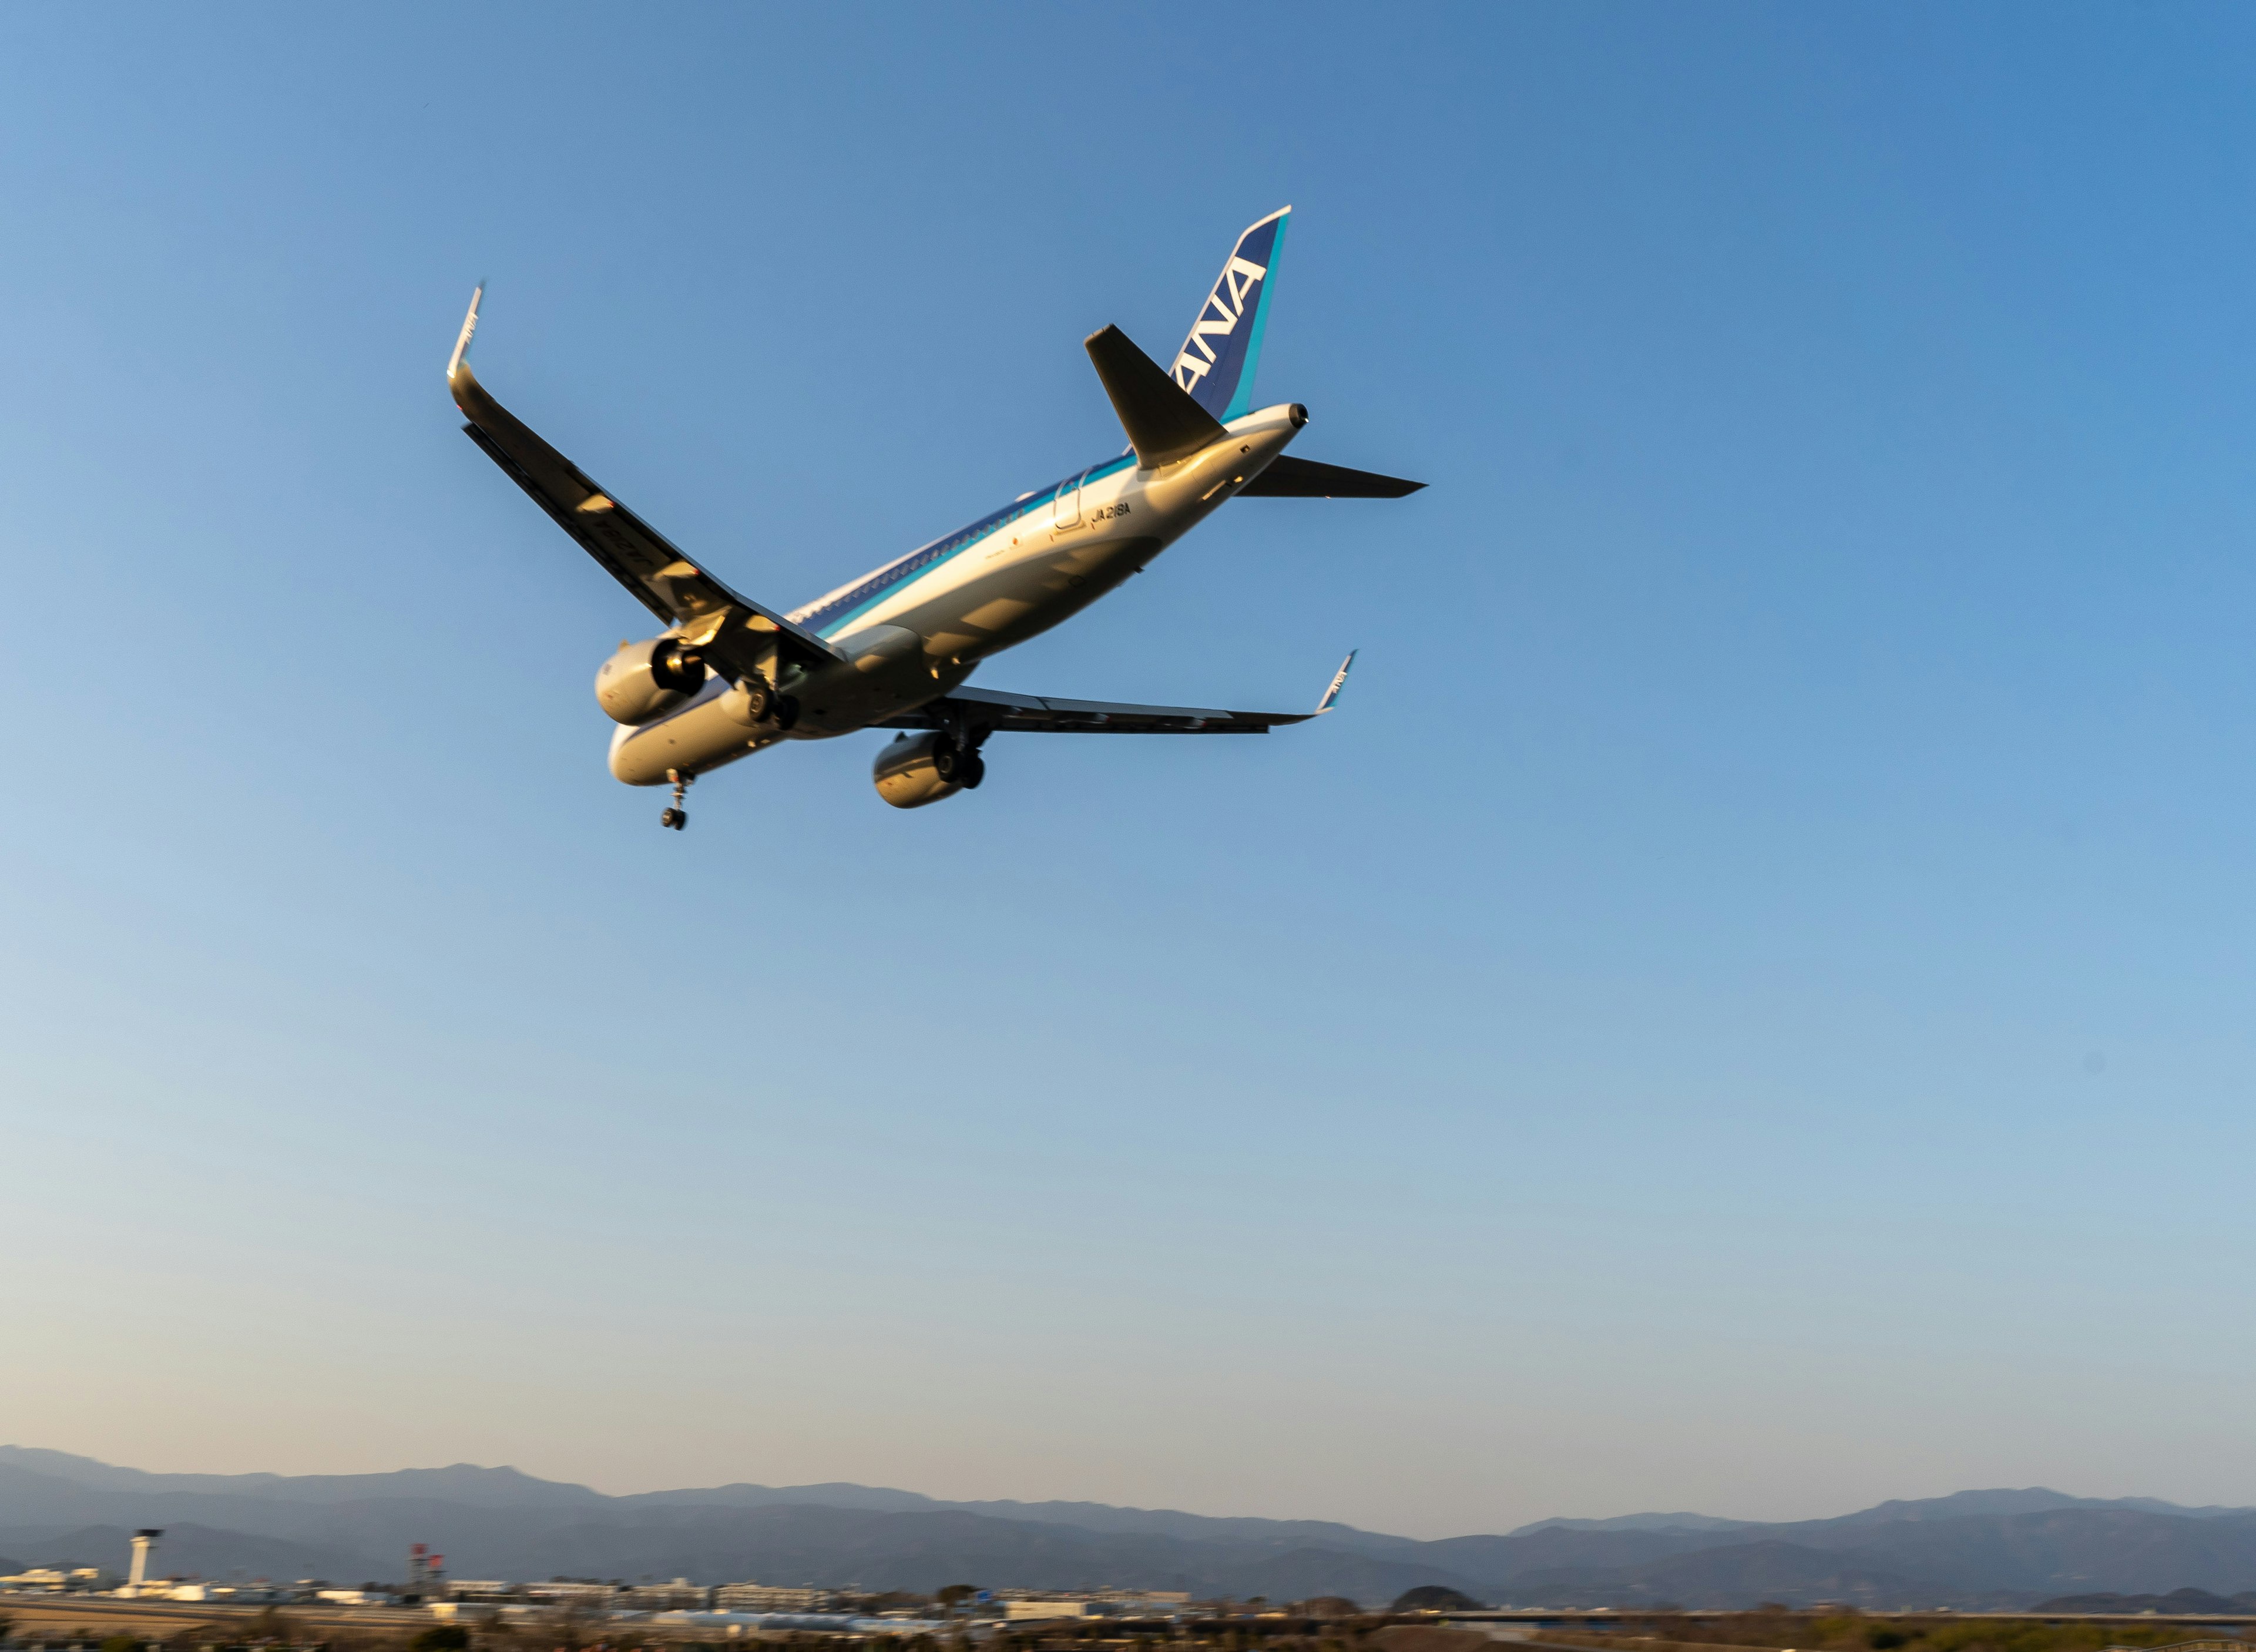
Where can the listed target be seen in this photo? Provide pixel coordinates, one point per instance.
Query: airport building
(55, 1580)
(680, 1595)
(559, 1592)
(1021, 1606)
(760, 1597)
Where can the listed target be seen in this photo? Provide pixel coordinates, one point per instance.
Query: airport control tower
(144, 1541)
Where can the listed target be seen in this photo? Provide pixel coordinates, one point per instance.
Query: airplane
(892, 650)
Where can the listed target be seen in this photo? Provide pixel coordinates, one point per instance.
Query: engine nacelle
(646, 680)
(907, 772)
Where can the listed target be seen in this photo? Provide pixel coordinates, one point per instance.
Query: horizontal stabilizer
(1162, 422)
(1290, 478)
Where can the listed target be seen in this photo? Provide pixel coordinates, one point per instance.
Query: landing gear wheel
(675, 818)
(958, 763)
(759, 698)
(787, 712)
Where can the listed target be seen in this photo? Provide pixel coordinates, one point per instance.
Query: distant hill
(78, 1487)
(2035, 1500)
(1739, 1574)
(1433, 1598)
(2001, 1548)
(501, 1523)
(2178, 1602)
(1636, 1523)
(462, 1483)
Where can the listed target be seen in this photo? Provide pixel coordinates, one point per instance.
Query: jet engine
(920, 769)
(645, 680)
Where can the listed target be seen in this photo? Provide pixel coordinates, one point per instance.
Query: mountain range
(1999, 1548)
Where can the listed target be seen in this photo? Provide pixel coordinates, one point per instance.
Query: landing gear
(675, 818)
(757, 703)
(958, 764)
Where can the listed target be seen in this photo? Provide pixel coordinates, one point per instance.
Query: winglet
(469, 327)
(1339, 681)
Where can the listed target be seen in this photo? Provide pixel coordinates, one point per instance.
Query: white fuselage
(915, 629)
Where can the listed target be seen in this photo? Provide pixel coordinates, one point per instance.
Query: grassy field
(121, 1626)
(1853, 1632)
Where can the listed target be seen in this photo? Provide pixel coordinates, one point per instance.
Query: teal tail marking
(1242, 402)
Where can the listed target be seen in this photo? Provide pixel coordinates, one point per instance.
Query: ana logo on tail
(1216, 362)
(1225, 308)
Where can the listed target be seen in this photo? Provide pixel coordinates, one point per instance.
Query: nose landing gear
(677, 817)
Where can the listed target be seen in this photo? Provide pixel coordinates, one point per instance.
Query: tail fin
(1216, 362)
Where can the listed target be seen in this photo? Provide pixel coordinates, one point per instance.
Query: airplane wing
(992, 710)
(730, 630)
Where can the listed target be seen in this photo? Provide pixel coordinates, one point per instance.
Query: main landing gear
(677, 817)
(763, 704)
(957, 761)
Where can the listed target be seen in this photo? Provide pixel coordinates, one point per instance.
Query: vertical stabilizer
(1216, 362)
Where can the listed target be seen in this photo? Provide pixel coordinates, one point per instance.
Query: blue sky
(1747, 1007)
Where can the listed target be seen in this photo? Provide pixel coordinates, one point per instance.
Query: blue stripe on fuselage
(845, 607)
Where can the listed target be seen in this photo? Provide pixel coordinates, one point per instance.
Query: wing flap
(637, 587)
(994, 711)
(1040, 713)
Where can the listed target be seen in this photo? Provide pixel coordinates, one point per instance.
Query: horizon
(1965, 1492)
(2018, 1551)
